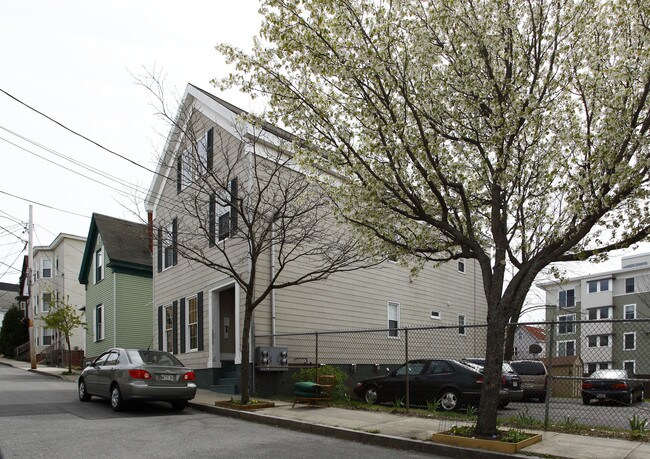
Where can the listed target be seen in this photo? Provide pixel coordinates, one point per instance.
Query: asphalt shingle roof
(124, 241)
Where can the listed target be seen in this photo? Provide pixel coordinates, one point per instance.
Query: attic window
(435, 315)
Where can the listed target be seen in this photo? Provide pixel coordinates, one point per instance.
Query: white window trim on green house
(99, 265)
(629, 308)
(625, 335)
(99, 327)
(633, 362)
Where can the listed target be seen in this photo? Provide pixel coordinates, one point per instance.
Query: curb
(386, 441)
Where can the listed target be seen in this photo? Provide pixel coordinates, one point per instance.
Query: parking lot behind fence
(570, 349)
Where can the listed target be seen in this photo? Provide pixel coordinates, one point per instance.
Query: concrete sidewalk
(395, 431)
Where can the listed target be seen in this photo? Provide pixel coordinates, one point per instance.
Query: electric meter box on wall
(272, 358)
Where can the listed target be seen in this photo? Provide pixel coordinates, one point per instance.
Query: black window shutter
(160, 328)
(174, 242)
(199, 310)
(179, 172)
(182, 316)
(160, 248)
(175, 327)
(209, 148)
(211, 222)
(233, 205)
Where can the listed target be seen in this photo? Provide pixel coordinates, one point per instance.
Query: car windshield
(609, 374)
(158, 358)
(507, 368)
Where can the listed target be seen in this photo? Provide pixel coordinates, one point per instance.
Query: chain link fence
(571, 351)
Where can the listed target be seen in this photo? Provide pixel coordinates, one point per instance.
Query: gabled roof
(7, 287)
(536, 332)
(222, 114)
(126, 244)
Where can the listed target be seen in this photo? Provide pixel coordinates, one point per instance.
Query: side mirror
(88, 363)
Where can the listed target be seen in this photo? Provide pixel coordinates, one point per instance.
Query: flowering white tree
(511, 132)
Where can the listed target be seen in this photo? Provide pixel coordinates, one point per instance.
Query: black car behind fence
(571, 350)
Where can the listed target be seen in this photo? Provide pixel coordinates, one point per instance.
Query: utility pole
(30, 278)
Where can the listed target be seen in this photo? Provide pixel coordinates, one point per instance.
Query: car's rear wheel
(370, 395)
(449, 400)
(630, 398)
(641, 396)
(179, 405)
(84, 396)
(541, 398)
(586, 400)
(117, 401)
(503, 404)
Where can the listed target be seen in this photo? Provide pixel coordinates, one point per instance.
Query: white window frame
(168, 328)
(571, 318)
(46, 263)
(598, 366)
(168, 246)
(393, 332)
(633, 362)
(201, 156)
(45, 305)
(599, 313)
(633, 285)
(598, 285)
(559, 343)
(47, 333)
(625, 341)
(186, 168)
(462, 322)
(99, 328)
(189, 324)
(625, 307)
(461, 265)
(598, 344)
(436, 315)
(99, 265)
(566, 297)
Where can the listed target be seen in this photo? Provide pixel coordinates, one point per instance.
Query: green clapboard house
(116, 270)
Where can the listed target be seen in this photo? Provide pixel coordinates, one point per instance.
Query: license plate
(166, 377)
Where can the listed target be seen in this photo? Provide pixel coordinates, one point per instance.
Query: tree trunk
(245, 353)
(509, 350)
(487, 411)
(67, 341)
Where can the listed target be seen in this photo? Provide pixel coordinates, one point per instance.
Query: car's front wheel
(117, 401)
(84, 396)
(630, 398)
(449, 400)
(370, 395)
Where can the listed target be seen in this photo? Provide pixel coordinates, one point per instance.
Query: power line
(75, 132)
(43, 205)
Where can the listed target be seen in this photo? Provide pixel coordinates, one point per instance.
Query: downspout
(272, 278)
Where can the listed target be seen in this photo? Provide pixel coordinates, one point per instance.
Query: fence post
(549, 385)
(316, 357)
(406, 352)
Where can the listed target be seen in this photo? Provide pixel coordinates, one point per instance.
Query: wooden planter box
(492, 445)
(240, 407)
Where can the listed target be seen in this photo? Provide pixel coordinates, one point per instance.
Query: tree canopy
(511, 132)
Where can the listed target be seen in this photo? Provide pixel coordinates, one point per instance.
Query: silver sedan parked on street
(124, 375)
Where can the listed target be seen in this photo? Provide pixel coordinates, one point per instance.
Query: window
(169, 329)
(567, 298)
(192, 324)
(202, 156)
(47, 299)
(629, 285)
(630, 311)
(56, 265)
(168, 247)
(461, 265)
(601, 285)
(184, 172)
(47, 268)
(629, 341)
(599, 341)
(565, 348)
(461, 324)
(46, 336)
(393, 319)
(600, 313)
(99, 322)
(435, 315)
(99, 265)
(564, 328)
(223, 212)
(630, 366)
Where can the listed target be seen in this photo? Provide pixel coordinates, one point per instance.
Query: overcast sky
(74, 61)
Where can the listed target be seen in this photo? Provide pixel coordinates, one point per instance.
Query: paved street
(40, 416)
